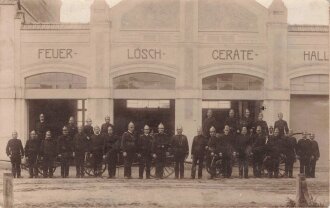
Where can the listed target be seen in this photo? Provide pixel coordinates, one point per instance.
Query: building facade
(154, 61)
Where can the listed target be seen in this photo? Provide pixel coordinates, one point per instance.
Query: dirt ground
(103, 192)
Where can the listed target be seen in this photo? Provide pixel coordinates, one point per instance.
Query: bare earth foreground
(102, 192)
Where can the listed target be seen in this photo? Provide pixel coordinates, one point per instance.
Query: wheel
(168, 168)
(214, 162)
(89, 166)
(41, 167)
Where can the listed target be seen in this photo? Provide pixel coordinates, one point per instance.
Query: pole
(302, 197)
(8, 195)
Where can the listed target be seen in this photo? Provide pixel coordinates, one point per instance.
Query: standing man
(144, 149)
(97, 148)
(106, 125)
(128, 145)
(72, 127)
(180, 149)
(243, 143)
(160, 149)
(198, 149)
(227, 149)
(111, 150)
(42, 127)
(304, 154)
(258, 151)
(232, 122)
(246, 121)
(64, 150)
(15, 152)
(262, 123)
(88, 129)
(290, 153)
(208, 123)
(32, 149)
(315, 155)
(48, 151)
(274, 149)
(282, 125)
(80, 147)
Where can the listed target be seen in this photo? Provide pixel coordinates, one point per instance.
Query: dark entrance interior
(143, 113)
(220, 114)
(57, 113)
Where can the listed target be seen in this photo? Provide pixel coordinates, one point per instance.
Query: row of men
(159, 146)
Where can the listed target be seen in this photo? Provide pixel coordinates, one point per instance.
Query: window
(216, 104)
(81, 112)
(144, 81)
(232, 82)
(56, 81)
(310, 83)
(148, 104)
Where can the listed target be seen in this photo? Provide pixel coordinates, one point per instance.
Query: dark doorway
(142, 112)
(57, 113)
(220, 111)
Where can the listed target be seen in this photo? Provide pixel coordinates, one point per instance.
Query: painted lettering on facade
(145, 54)
(51, 53)
(316, 56)
(234, 55)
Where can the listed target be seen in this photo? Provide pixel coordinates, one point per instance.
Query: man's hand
(103, 156)
(212, 153)
(154, 156)
(73, 154)
(125, 154)
(167, 154)
(139, 155)
(60, 155)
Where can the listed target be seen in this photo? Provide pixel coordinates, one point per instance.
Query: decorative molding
(8, 2)
(52, 26)
(308, 28)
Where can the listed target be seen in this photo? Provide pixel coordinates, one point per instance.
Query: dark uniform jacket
(243, 142)
(264, 126)
(304, 148)
(111, 143)
(247, 122)
(207, 124)
(88, 130)
(64, 145)
(128, 142)
(315, 149)
(282, 127)
(97, 144)
(15, 148)
(73, 130)
(198, 146)
(104, 128)
(258, 143)
(48, 148)
(80, 143)
(144, 145)
(275, 146)
(233, 124)
(290, 144)
(41, 129)
(32, 147)
(180, 145)
(220, 145)
(161, 144)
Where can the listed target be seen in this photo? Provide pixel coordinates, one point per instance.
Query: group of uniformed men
(241, 138)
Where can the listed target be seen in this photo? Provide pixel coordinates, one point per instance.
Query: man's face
(179, 131)
(312, 136)
(146, 130)
(226, 130)
(199, 131)
(244, 130)
(247, 113)
(14, 135)
(280, 116)
(65, 131)
(48, 135)
(33, 135)
(42, 118)
(209, 113)
(231, 113)
(110, 130)
(271, 129)
(304, 135)
(89, 122)
(107, 119)
(258, 130)
(71, 120)
(97, 130)
(212, 132)
(131, 127)
(276, 132)
(160, 129)
(80, 129)
(260, 117)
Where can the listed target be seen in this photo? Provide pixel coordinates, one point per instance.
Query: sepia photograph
(164, 103)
